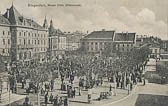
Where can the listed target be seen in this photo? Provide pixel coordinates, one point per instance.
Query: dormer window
(21, 18)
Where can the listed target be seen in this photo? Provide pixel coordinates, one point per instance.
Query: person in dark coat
(110, 88)
(60, 101)
(56, 101)
(46, 99)
(51, 98)
(66, 101)
(144, 81)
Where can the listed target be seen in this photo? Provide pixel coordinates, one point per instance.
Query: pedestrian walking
(60, 101)
(56, 101)
(79, 91)
(66, 102)
(51, 98)
(110, 88)
(46, 99)
(144, 82)
(23, 82)
(74, 93)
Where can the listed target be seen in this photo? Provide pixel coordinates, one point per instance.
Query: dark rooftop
(101, 34)
(124, 36)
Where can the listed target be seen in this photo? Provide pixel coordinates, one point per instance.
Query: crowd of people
(56, 101)
(90, 69)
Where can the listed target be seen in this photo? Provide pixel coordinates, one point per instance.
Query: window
(20, 33)
(24, 41)
(8, 33)
(8, 50)
(29, 42)
(44, 42)
(29, 34)
(35, 42)
(91, 49)
(24, 33)
(20, 41)
(3, 41)
(38, 42)
(8, 41)
(32, 41)
(123, 45)
(3, 32)
(156, 51)
(3, 50)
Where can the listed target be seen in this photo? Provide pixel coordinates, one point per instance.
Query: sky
(145, 17)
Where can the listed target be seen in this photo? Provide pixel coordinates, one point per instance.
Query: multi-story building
(73, 40)
(124, 41)
(100, 41)
(5, 37)
(95, 42)
(26, 38)
(57, 41)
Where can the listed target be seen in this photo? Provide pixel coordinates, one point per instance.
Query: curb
(122, 98)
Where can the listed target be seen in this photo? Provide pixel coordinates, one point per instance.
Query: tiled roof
(124, 37)
(15, 18)
(101, 34)
(3, 20)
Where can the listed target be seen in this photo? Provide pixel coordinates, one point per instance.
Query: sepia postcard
(84, 53)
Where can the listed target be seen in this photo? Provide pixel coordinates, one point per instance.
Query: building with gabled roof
(101, 41)
(22, 38)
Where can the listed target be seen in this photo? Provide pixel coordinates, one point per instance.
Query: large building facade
(22, 38)
(101, 41)
(5, 36)
(57, 41)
